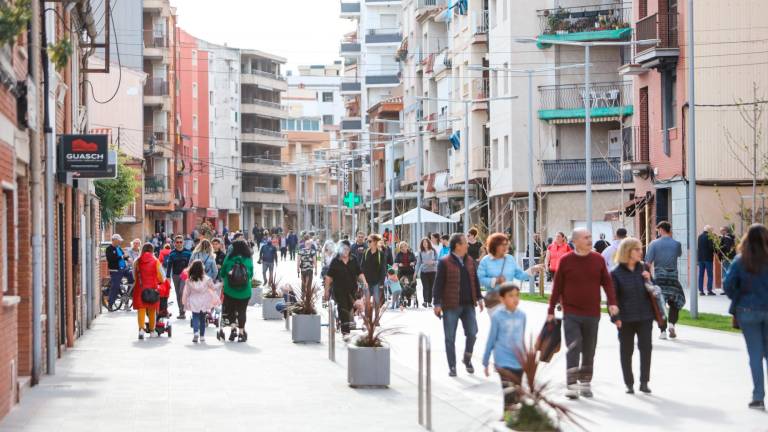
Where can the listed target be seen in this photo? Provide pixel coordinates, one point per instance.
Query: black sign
(109, 173)
(84, 153)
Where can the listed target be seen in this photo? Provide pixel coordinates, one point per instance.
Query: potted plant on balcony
(368, 354)
(536, 409)
(270, 301)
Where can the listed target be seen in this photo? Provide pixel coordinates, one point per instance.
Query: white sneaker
(663, 335)
(141, 334)
(202, 339)
(195, 337)
(572, 392)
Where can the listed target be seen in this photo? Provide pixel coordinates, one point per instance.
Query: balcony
(382, 2)
(263, 108)
(264, 80)
(572, 172)
(479, 93)
(264, 195)
(428, 8)
(156, 142)
(351, 124)
(156, 92)
(609, 101)
(664, 28)
(351, 86)
(444, 127)
(350, 49)
(155, 44)
(350, 10)
(260, 165)
(263, 136)
(480, 25)
(384, 36)
(385, 80)
(157, 189)
(586, 23)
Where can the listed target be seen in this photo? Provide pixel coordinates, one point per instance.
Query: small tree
(118, 193)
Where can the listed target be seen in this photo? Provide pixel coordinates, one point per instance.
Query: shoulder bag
(149, 295)
(492, 298)
(657, 300)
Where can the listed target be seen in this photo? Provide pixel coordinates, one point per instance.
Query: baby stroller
(163, 323)
(214, 315)
(409, 297)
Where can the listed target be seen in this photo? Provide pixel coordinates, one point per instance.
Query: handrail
(331, 331)
(425, 350)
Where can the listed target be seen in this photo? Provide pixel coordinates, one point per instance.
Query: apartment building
(161, 142)
(315, 108)
(371, 75)
(224, 168)
(261, 85)
(559, 127)
(729, 76)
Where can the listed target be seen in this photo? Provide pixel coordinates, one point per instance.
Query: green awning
(580, 113)
(617, 34)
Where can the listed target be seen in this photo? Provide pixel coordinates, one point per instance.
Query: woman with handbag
(426, 268)
(498, 267)
(148, 275)
(637, 311)
(746, 284)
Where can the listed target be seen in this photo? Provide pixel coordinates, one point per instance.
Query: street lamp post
(691, 166)
(588, 106)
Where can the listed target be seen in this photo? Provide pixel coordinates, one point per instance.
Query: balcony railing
(349, 47)
(480, 23)
(263, 189)
(351, 124)
(268, 104)
(155, 39)
(350, 8)
(351, 86)
(382, 79)
(155, 136)
(155, 184)
(658, 26)
(443, 125)
(261, 73)
(427, 4)
(267, 132)
(584, 19)
(258, 159)
(606, 99)
(156, 87)
(384, 35)
(568, 172)
(480, 88)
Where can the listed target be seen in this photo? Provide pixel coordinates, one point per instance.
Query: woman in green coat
(237, 272)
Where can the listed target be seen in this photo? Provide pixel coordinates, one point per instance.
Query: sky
(303, 31)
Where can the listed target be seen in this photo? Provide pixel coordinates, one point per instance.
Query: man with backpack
(175, 263)
(267, 258)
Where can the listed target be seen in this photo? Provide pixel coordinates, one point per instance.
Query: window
(506, 76)
(328, 119)
(195, 153)
(506, 151)
(673, 100)
(327, 96)
(644, 153)
(194, 186)
(496, 83)
(210, 98)
(495, 154)
(194, 57)
(194, 122)
(194, 90)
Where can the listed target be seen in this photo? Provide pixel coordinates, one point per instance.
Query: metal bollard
(331, 331)
(288, 321)
(425, 397)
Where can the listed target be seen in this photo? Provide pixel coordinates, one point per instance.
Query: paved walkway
(111, 381)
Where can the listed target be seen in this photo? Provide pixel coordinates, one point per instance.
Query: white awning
(411, 217)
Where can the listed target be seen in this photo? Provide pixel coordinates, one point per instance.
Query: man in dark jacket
(291, 242)
(456, 292)
(374, 266)
(175, 263)
(267, 259)
(118, 268)
(258, 234)
(706, 258)
(358, 247)
(727, 250)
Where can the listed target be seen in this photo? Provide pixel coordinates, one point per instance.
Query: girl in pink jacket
(199, 298)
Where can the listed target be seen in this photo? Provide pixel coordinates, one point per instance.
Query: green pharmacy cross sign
(351, 200)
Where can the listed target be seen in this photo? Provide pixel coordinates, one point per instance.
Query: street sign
(84, 153)
(351, 200)
(110, 173)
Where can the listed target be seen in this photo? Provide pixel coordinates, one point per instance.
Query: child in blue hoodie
(505, 341)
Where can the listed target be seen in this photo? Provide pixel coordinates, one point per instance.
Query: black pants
(306, 278)
(627, 334)
(344, 303)
(673, 313)
(234, 309)
(581, 340)
(292, 250)
(427, 281)
(283, 252)
(510, 380)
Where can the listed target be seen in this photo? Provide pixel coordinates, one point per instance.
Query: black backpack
(238, 276)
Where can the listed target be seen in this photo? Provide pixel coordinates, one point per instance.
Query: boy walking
(505, 340)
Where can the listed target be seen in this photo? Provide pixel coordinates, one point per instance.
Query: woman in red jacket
(148, 274)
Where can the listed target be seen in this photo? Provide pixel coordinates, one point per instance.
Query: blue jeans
(726, 266)
(705, 266)
(754, 326)
(396, 299)
(198, 322)
(267, 267)
(377, 292)
(451, 317)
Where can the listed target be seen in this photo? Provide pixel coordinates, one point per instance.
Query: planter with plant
(537, 411)
(368, 354)
(270, 301)
(256, 292)
(305, 325)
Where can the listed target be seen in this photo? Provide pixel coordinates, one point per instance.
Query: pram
(409, 296)
(214, 315)
(163, 323)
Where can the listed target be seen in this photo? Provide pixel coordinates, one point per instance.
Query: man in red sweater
(577, 287)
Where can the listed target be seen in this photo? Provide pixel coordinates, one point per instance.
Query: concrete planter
(256, 296)
(305, 328)
(367, 367)
(269, 308)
